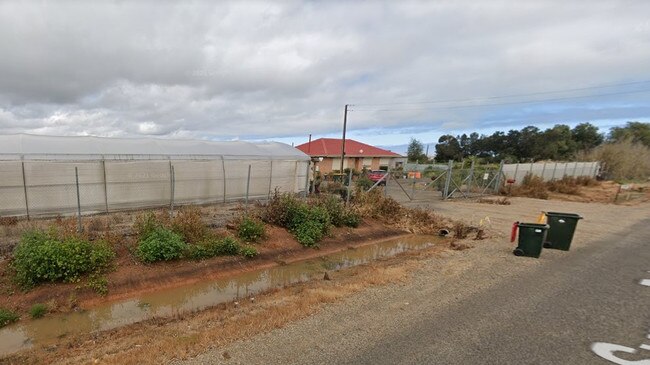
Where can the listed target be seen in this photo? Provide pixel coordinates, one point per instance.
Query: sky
(282, 70)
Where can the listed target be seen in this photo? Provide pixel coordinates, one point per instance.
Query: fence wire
(49, 188)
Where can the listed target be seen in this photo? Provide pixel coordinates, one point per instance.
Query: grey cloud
(260, 70)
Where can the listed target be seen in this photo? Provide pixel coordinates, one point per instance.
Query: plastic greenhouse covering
(38, 174)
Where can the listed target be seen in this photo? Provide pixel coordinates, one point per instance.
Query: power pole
(345, 124)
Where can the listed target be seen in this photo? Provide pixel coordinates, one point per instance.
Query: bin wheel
(548, 245)
(518, 252)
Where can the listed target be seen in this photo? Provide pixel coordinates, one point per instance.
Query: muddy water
(47, 330)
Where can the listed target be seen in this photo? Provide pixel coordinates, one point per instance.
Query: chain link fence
(472, 180)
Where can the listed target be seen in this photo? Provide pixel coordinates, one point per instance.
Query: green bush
(334, 207)
(351, 219)
(38, 310)
(7, 317)
(308, 233)
(280, 209)
(250, 230)
(43, 257)
(145, 224)
(249, 251)
(309, 224)
(364, 183)
(227, 246)
(160, 244)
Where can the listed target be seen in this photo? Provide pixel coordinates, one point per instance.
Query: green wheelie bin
(531, 239)
(562, 226)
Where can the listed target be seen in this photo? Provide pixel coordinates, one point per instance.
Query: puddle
(25, 334)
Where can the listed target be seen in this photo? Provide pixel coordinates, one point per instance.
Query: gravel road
(485, 305)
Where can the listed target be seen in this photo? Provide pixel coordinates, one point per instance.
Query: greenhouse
(45, 175)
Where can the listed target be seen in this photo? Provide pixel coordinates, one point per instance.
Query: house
(326, 154)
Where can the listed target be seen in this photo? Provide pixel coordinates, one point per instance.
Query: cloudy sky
(282, 70)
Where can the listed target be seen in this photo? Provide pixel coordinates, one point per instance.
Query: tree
(415, 152)
(586, 136)
(448, 148)
(637, 132)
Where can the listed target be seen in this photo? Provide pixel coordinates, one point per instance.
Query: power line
(506, 103)
(510, 96)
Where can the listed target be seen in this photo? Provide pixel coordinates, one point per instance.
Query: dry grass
(622, 160)
(533, 186)
(160, 340)
(497, 201)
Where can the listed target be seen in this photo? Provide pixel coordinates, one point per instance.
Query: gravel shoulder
(462, 299)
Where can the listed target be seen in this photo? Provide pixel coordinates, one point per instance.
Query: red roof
(332, 147)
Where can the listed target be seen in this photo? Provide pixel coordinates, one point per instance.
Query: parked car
(377, 175)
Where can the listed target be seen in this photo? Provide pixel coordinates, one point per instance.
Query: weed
(44, 257)
(249, 251)
(98, 283)
(189, 225)
(38, 310)
(214, 247)
(460, 230)
(160, 244)
(7, 317)
(250, 229)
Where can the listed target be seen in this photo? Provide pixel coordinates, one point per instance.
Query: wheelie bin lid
(563, 215)
(533, 225)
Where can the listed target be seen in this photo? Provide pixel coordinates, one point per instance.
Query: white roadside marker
(645, 347)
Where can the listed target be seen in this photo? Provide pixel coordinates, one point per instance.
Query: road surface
(485, 306)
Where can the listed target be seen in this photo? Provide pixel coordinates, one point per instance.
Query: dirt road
(485, 305)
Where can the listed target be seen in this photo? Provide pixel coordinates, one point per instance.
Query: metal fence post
(530, 171)
(223, 170)
(172, 185)
(554, 168)
(566, 164)
(307, 179)
(22, 163)
(575, 167)
(543, 171)
(76, 175)
(105, 184)
(386, 184)
(582, 171)
(497, 184)
(470, 177)
(514, 177)
(248, 185)
(448, 179)
(270, 180)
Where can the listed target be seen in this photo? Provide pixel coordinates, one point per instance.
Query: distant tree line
(530, 143)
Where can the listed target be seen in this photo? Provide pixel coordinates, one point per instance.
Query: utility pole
(345, 124)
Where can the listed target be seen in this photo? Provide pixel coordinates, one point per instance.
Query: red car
(377, 175)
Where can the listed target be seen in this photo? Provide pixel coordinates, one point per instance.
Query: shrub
(189, 225)
(161, 244)
(43, 257)
(250, 230)
(7, 317)
(146, 223)
(279, 210)
(249, 251)
(38, 310)
(364, 183)
(213, 246)
(309, 224)
(334, 207)
(351, 219)
(308, 233)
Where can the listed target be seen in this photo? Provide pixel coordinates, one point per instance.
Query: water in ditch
(167, 302)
